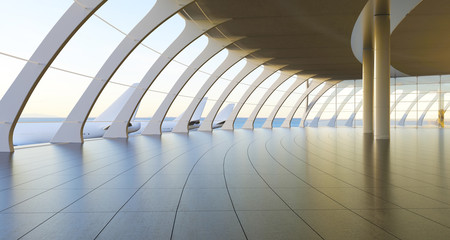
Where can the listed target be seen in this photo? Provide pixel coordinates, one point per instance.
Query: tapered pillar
(368, 68)
(368, 65)
(382, 68)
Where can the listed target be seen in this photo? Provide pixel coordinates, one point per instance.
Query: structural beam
(427, 108)
(332, 122)
(301, 78)
(313, 85)
(232, 58)
(410, 107)
(382, 68)
(285, 75)
(72, 128)
(368, 68)
(15, 99)
(267, 72)
(249, 67)
(192, 31)
(400, 98)
(351, 119)
(212, 48)
(326, 87)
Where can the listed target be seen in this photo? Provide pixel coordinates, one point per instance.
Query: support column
(367, 69)
(382, 68)
(368, 65)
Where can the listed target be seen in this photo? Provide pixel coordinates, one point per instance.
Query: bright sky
(25, 23)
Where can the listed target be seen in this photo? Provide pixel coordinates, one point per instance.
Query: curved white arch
(285, 75)
(332, 122)
(15, 99)
(301, 78)
(313, 85)
(233, 57)
(425, 111)
(72, 128)
(408, 110)
(249, 67)
(328, 85)
(350, 120)
(192, 31)
(267, 72)
(213, 47)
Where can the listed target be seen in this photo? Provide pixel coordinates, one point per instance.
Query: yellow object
(441, 118)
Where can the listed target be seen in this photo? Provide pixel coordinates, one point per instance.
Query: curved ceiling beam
(267, 72)
(301, 78)
(425, 111)
(212, 48)
(15, 99)
(72, 128)
(332, 122)
(315, 121)
(351, 119)
(408, 110)
(313, 85)
(192, 31)
(232, 58)
(285, 75)
(399, 10)
(249, 67)
(328, 85)
(399, 99)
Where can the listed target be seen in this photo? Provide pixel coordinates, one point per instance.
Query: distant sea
(237, 124)
(240, 122)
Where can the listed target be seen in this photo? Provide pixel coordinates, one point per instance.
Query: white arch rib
(425, 111)
(300, 80)
(314, 84)
(332, 122)
(267, 72)
(15, 99)
(328, 85)
(192, 31)
(72, 128)
(408, 110)
(249, 67)
(285, 75)
(232, 58)
(213, 47)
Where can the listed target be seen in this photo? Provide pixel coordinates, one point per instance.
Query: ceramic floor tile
(256, 199)
(275, 225)
(207, 225)
(342, 224)
(154, 200)
(71, 226)
(139, 225)
(205, 199)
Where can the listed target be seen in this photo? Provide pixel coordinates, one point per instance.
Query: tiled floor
(323, 183)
